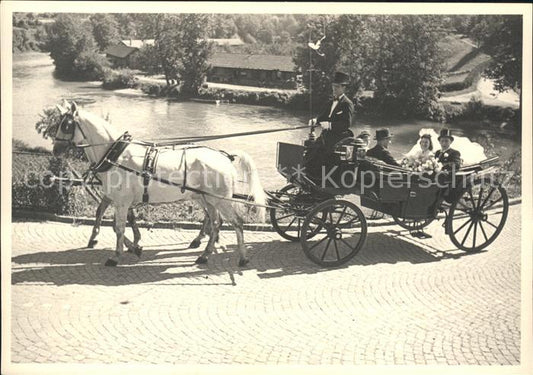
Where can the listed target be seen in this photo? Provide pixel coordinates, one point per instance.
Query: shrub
(31, 186)
(18, 145)
(119, 79)
(475, 110)
(471, 79)
(90, 66)
(49, 122)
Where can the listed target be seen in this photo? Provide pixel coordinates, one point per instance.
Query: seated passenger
(365, 136)
(450, 158)
(379, 151)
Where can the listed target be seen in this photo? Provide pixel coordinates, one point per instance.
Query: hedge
(119, 79)
(32, 190)
(476, 110)
(471, 79)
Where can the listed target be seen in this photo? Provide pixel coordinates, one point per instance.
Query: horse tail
(247, 173)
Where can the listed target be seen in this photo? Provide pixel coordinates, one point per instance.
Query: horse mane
(103, 127)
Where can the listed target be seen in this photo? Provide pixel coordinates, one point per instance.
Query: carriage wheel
(288, 222)
(412, 224)
(342, 233)
(477, 217)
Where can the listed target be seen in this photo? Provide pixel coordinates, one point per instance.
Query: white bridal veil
(471, 152)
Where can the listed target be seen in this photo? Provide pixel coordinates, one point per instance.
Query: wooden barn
(253, 70)
(120, 55)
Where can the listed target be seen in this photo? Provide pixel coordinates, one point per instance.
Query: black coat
(450, 159)
(381, 153)
(341, 117)
(341, 120)
(321, 152)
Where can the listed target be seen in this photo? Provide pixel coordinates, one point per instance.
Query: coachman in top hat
(450, 158)
(335, 122)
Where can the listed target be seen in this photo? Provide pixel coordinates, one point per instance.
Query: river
(35, 88)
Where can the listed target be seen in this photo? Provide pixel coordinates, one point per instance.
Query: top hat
(382, 134)
(447, 133)
(341, 78)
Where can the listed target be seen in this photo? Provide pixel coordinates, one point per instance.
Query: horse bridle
(67, 126)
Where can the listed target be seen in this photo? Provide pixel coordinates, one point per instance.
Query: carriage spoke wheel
(412, 224)
(477, 217)
(288, 222)
(342, 233)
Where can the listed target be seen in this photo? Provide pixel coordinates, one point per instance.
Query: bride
(471, 152)
(423, 150)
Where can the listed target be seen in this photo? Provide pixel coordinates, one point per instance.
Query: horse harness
(149, 166)
(147, 173)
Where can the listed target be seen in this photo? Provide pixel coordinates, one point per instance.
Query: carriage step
(421, 235)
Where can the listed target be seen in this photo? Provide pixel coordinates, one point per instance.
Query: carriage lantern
(353, 151)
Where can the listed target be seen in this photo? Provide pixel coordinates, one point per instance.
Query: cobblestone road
(400, 301)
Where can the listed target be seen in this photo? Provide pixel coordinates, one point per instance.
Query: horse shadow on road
(174, 263)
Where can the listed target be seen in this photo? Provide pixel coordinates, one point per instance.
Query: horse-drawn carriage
(332, 230)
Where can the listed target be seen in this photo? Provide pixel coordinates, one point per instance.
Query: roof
(137, 43)
(120, 51)
(256, 62)
(228, 41)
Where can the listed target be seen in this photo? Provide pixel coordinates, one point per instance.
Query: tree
(182, 49)
(356, 41)
(284, 37)
(126, 25)
(105, 30)
(194, 51)
(68, 40)
(408, 66)
(147, 60)
(481, 27)
(504, 45)
(222, 26)
(318, 68)
(166, 45)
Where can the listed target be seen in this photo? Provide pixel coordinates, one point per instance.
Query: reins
(176, 141)
(117, 146)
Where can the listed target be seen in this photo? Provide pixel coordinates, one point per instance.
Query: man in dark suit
(336, 118)
(335, 121)
(450, 158)
(380, 150)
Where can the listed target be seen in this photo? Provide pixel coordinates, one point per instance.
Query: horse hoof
(194, 244)
(92, 243)
(243, 262)
(111, 263)
(201, 260)
(137, 250)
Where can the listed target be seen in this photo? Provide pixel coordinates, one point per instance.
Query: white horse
(209, 176)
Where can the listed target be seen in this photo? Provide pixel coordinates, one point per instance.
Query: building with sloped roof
(138, 43)
(253, 70)
(233, 68)
(120, 55)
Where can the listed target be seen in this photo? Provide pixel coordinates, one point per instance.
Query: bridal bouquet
(429, 166)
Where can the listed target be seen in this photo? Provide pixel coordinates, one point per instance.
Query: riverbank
(482, 103)
(149, 117)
